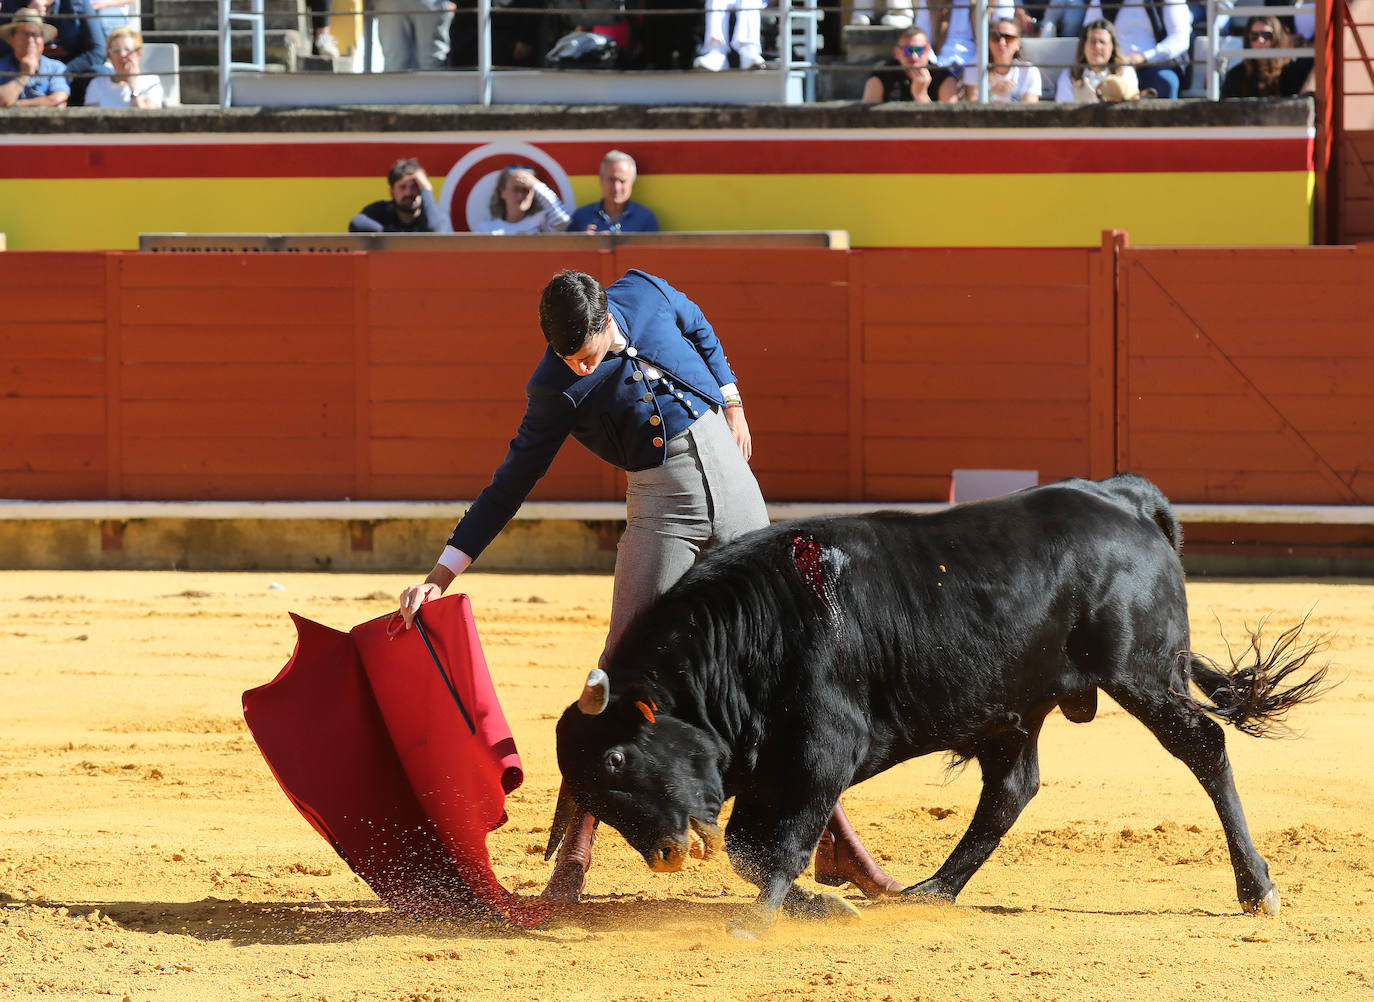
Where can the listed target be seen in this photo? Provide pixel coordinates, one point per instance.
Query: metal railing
(255, 20)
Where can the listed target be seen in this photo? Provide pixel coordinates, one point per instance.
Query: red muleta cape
(366, 736)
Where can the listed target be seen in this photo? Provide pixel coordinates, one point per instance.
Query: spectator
(1157, 39)
(521, 203)
(515, 33)
(1277, 77)
(909, 75)
(615, 213)
(1098, 57)
(957, 46)
(73, 46)
(1066, 16)
(899, 13)
(325, 44)
(410, 209)
(1010, 78)
(124, 86)
(414, 33)
(27, 77)
(746, 40)
(101, 18)
(668, 40)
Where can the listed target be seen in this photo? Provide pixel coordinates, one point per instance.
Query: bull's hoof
(829, 906)
(1267, 905)
(753, 924)
(928, 891)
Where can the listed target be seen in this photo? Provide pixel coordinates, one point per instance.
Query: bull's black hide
(811, 655)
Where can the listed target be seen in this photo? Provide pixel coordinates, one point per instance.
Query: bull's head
(650, 775)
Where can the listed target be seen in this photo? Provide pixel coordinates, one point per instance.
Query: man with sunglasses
(635, 373)
(909, 75)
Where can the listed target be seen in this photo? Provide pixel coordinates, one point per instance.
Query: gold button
(648, 398)
(637, 376)
(655, 420)
(631, 352)
(658, 442)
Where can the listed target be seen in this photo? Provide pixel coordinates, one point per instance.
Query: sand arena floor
(146, 853)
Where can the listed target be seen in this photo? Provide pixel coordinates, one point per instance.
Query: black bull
(812, 655)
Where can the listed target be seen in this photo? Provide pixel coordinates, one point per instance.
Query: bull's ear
(637, 702)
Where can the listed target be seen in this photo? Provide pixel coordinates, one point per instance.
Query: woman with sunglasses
(125, 86)
(521, 203)
(1278, 77)
(1011, 79)
(1098, 57)
(910, 75)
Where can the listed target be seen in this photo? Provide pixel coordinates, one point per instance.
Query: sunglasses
(125, 52)
(1261, 36)
(520, 167)
(914, 50)
(1003, 37)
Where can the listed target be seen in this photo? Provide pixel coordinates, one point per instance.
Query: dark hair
(1080, 60)
(571, 309)
(402, 168)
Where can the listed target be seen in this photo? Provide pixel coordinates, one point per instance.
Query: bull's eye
(615, 761)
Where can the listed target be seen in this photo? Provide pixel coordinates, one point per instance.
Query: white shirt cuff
(729, 390)
(454, 559)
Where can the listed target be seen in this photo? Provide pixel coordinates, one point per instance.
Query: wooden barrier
(1227, 375)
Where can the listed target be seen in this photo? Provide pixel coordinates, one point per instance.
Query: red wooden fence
(1227, 375)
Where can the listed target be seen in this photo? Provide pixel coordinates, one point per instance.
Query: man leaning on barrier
(27, 77)
(410, 209)
(615, 213)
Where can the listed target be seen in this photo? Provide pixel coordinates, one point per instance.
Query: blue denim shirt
(619, 412)
(635, 219)
(48, 80)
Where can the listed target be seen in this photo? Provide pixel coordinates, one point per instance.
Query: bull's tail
(1253, 695)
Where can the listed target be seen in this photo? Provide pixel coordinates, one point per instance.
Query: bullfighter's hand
(417, 595)
(739, 427)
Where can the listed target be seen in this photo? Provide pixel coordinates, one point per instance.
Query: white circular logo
(469, 184)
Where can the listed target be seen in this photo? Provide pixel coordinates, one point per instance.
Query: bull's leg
(1011, 777)
(1200, 744)
(770, 851)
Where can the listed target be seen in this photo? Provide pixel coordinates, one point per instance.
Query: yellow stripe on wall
(885, 210)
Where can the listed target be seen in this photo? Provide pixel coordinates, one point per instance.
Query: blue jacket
(618, 412)
(635, 219)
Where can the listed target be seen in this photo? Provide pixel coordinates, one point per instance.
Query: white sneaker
(714, 61)
(750, 58)
(898, 18)
(861, 19)
(326, 44)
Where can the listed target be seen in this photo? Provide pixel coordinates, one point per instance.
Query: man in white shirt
(1156, 40)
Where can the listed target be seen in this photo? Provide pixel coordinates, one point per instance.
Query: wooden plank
(919, 270)
(64, 485)
(788, 451)
(305, 306)
(769, 415)
(61, 415)
(225, 343)
(1232, 486)
(690, 268)
(114, 377)
(55, 339)
(929, 456)
(726, 304)
(803, 485)
(517, 276)
(1189, 450)
(1101, 336)
(465, 487)
(50, 451)
(1274, 377)
(295, 485)
(44, 377)
(959, 305)
(282, 416)
(231, 456)
(977, 418)
(1183, 376)
(322, 381)
(1244, 305)
(360, 343)
(251, 271)
(911, 488)
(998, 342)
(469, 419)
(48, 301)
(904, 381)
(1219, 414)
(481, 379)
(854, 372)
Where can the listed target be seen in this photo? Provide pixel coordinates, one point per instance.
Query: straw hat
(30, 17)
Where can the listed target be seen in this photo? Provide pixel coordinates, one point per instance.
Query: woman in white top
(125, 86)
(1010, 80)
(521, 203)
(1098, 57)
(957, 46)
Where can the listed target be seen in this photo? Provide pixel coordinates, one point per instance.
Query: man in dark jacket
(411, 208)
(637, 375)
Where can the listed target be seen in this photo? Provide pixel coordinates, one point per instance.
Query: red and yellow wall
(1238, 186)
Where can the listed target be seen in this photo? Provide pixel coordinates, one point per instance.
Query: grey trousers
(704, 494)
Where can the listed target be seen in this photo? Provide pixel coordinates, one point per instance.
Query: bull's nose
(668, 855)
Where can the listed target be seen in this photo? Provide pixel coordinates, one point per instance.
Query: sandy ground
(147, 853)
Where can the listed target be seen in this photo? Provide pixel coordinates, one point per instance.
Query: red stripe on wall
(747, 155)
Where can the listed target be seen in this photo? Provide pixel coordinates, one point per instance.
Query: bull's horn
(595, 694)
(562, 818)
(710, 835)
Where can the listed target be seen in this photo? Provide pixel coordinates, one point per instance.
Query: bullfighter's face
(656, 782)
